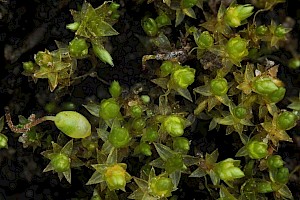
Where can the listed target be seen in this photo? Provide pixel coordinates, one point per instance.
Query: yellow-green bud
(150, 27)
(43, 59)
(161, 186)
(274, 161)
(3, 141)
(174, 163)
(240, 112)
(119, 137)
(162, 20)
(277, 96)
(115, 177)
(228, 170)
(103, 54)
(281, 31)
(286, 120)
(73, 26)
(181, 144)
(166, 68)
(174, 125)
(282, 175)
(219, 86)
(264, 187)
(204, 40)
(115, 89)
(60, 162)
(138, 124)
(109, 109)
(144, 149)
(237, 14)
(294, 63)
(236, 48)
(261, 30)
(145, 98)
(28, 66)
(183, 77)
(264, 86)
(151, 134)
(78, 47)
(257, 150)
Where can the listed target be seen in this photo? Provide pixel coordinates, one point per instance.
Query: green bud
(261, 30)
(144, 149)
(174, 125)
(162, 20)
(183, 77)
(174, 163)
(78, 47)
(103, 54)
(219, 86)
(145, 98)
(50, 107)
(73, 124)
(115, 15)
(236, 48)
(61, 162)
(257, 150)
(43, 59)
(188, 3)
(237, 14)
(136, 111)
(166, 68)
(294, 63)
(150, 27)
(264, 86)
(119, 137)
(274, 161)
(115, 177)
(228, 170)
(114, 6)
(286, 120)
(68, 106)
(181, 144)
(115, 89)
(151, 134)
(138, 124)
(3, 141)
(264, 187)
(282, 175)
(240, 112)
(73, 26)
(109, 109)
(204, 40)
(161, 186)
(28, 66)
(281, 31)
(277, 96)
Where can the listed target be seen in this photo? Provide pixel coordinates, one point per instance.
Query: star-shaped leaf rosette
(62, 160)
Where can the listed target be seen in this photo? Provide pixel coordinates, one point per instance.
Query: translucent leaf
(198, 173)
(143, 185)
(246, 122)
(190, 160)
(285, 192)
(214, 177)
(204, 90)
(1, 123)
(101, 157)
(244, 138)
(95, 178)
(106, 147)
(294, 106)
(211, 103)
(159, 163)
(179, 17)
(200, 108)
(103, 134)
(168, 2)
(112, 157)
(67, 175)
(100, 28)
(189, 12)
(93, 108)
(175, 176)
(242, 152)
(162, 42)
(228, 120)
(161, 82)
(76, 162)
(272, 108)
(185, 93)
(67, 149)
(225, 194)
(164, 152)
(213, 157)
(48, 168)
(56, 147)
(213, 124)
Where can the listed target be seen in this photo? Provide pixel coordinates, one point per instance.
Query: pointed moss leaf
(179, 17)
(175, 177)
(213, 124)
(112, 157)
(95, 178)
(60, 176)
(225, 194)
(285, 192)
(152, 173)
(204, 90)
(106, 147)
(242, 152)
(101, 157)
(168, 2)
(76, 162)
(67, 149)
(198, 173)
(103, 134)
(137, 194)
(1, 123)
(159, 163)
(213, 157)
(185, 93)
(244, 138)
(93, 108)
(48, 154)
(161, 41)
(99, 28)
(189, 12)
(190, 160)
(214, 177)
(164, 152)
(228, 120)
(294, 106)
(56, 147)
(48, 168)
(246, 122)
(161, 82)
(143, 185)
(67, 175)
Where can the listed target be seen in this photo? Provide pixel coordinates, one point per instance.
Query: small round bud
(174, 163)
(286, 120)
(281, 31)
(264, 187)
(162, 20)
(3, 141)
(294, 63)
(274, 161)
(181, 144)
(115, 177)
(114, 6)
(119, 137)
(73, 124)
(150, 27)
(183, 77)
(166, 68)
(235, 15)
(219, 86)
(43, 59)
(138, 124)
(236, 48)
(228, 170)
(73, 26)
(144, 149)
(78, 47)
(60, 162)
(240, 112)
(103, 54)
(145, 98)
(282, 175)
(204, 40)
(161, 186)
(115, 89)
(188, 3)
(28, 66)
(257, 150)
(261, 30)
(277, 96)
(136, 111)
(151, 134)
(264, 86)
(174, 125)
(109, 109)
